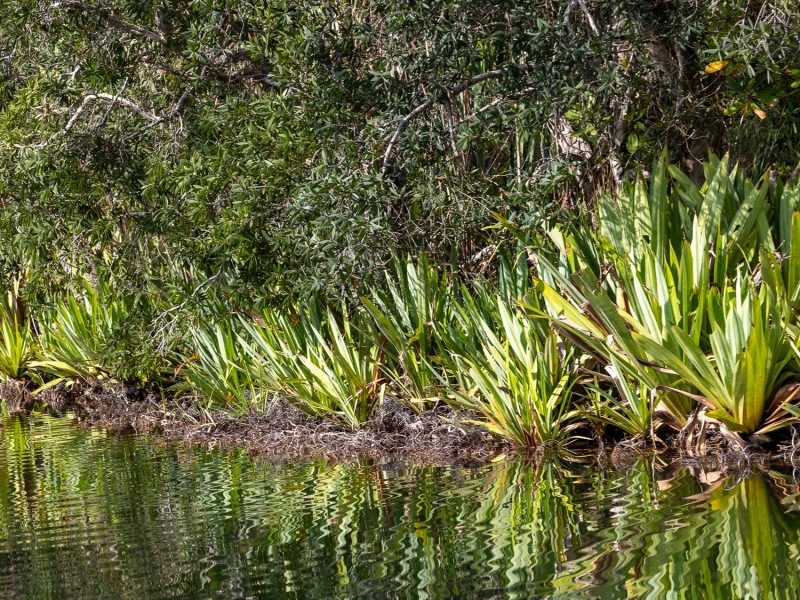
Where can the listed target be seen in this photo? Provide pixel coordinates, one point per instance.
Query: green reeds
(326, 367)
(519, 381)
(221, 371)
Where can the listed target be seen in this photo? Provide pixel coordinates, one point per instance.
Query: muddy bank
(436, 437)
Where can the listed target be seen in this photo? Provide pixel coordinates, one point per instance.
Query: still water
(86, 514)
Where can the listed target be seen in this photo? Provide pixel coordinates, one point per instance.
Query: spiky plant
(517, 379)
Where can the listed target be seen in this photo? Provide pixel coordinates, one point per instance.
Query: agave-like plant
(519, 381)
(329, 368)
(407, 313)
(16, 347)
(750, 349)
(71, 346)
(630, 408)
(221, 370)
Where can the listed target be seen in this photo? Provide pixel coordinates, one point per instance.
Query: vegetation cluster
(463, 204)
(678, 314)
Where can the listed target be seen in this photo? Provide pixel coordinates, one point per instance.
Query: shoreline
(440, 437)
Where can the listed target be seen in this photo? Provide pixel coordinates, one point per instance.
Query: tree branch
(154, 120)
(443, 95)
(175, 112)
(114, 100)
(114, 21)
(582, 3)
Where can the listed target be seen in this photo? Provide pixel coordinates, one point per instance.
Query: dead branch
(114, 21)
(582, 3)
(115, 100)
(441, 96)
(175, 112)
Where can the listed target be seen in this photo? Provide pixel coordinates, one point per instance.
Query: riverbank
(441, 437)
(436, 437)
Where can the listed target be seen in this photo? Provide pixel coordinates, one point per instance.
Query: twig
(114, 21)
(439, 97)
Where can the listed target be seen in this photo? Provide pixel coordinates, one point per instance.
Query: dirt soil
(436, 437)
(440, 436)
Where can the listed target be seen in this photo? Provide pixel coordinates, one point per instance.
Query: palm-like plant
(739, 377)
(517, 379)
(407, 313)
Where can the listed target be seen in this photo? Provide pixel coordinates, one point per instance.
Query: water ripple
(87, 514)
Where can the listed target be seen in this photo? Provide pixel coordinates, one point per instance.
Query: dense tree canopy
(291, 147)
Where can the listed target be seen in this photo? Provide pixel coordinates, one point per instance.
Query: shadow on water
(88, 514)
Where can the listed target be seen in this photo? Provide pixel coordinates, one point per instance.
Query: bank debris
(441, 436)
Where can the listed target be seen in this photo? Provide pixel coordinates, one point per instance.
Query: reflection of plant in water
(757, 549)
(533, 523)
(739, 544)
(194, 522)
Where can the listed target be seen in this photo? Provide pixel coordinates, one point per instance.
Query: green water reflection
(86, 514)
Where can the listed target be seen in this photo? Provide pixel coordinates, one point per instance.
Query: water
(86, 514)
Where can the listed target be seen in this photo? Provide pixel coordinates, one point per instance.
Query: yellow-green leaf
(717, 65)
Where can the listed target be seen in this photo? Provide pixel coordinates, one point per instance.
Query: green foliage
(746, 365)
(95, 334)
(665, 295)
(71, 347)
(517, 379)
(629, 405)
(326, 367)
(408, 314)
(16, 347)
(298, 145)
(221, 371)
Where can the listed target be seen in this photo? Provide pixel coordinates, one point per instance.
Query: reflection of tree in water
(88, 514)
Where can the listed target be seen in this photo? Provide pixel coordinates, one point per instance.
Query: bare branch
(443, 95)
(498, 102)
(115, 100)
(589, 18)
(570, 7)
(113, 21)
(175, 112)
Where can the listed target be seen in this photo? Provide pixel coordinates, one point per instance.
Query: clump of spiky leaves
(515, 376)
(407, 312)
(222, 371)
(73, 342)
(327, 367)
(16, 348)
(650, 294)
(627, 403)
(749, 350)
